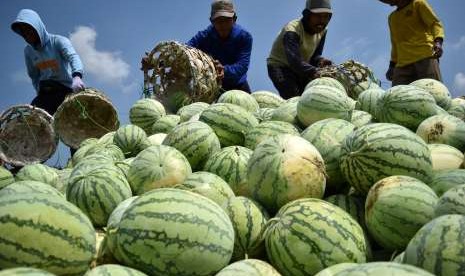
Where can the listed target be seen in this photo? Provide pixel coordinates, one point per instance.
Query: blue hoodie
(54, 59)
(234, 53)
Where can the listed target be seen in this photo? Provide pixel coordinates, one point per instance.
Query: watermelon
(396, 207)
(442, 181)
(29, 186)
(327, 81)
(284, 168)
(230, 164)
(399, 258)
(361, 118)
(354, 206)
(381, 268)
(46, 232)
(327, 136)
(445, 157)
(452, 202)
(240, 98)
(264, 114)
(89, 141)
(249, 221)
(438, 246)
(131, 139)
(332, 270)
(308, 235)
(156, 139)
(110, 150)
(63, 176)
(26, 271)
(267, 99)
(323, 102)
(175, 232)
(457, 108)
(368, 101)
(229, 121)
(165, 124)
(107, 138)
(249, 267)
(188, 111)
(196, 140)
(287, 112)
(264, 130)
(6, 177)
(145, 112)
(124, 165)
(376, 151)
(157, 167)
(362, 87)
(38, 172)
(114, 270)
(443, 129)
(406, 105)
(209, 185)
(437, 89)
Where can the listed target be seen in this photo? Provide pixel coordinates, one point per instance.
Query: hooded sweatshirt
(53, 59)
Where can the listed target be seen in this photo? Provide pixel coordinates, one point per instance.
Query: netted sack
(83, 115)
(180, 75)
(26, 135)
(356, 77)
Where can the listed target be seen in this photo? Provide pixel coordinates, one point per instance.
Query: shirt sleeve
(291, 41)
(32, 71)
(430, 19)
(234, 72)
(319, 51)
(69, 54)
(195, 41)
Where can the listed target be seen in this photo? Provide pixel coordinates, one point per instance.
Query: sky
(112, 36)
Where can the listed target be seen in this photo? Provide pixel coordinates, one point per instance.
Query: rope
(85, 115)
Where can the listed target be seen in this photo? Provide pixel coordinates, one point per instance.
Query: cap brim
(321, 10)
(222, 14)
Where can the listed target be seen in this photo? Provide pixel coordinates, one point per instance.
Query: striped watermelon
(284, 168)
(175, 232)
(452, 202)
(63, 176)
(443, 129)
(310, 234)
(399, 258)
(145, 112)
(240, 98)
(437, 89)
(131, 139)
(332, 270)
(46, 232)
(327, 81)
(445, 157)
(124, 166)
(406, 105)
(287, 112)
(157, 167)
(327, 136)
(230, 164)
(229, 121)
(361, 118)
(376, 151)
(267, 99)
(107, 138)
(323, 102)
(249, 267)
(165, 124)
(110, 150)
(114, 270)
(363, 86)
(381, 268)
(442, 181)
(438, 246)
(26, 271)
(29, 186)
(6, 177)
(38, 172)
(396, 207)
(368, 101)
(264, 130)
(188, 111)
(354, 206)
(264, 114)
(209, 185)
(89, 141)
(97, 190)
(249, 221)
(196, 140)
(157, 139)
(457, 108)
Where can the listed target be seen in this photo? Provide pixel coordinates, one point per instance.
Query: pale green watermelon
(368, 101)
(264, 114)
(249, 267)
(444, 180)
(437, 89)
(443, 129)
(114, 270)
(156, 139)
(457, 108)
(327, 81)
(445, 157)
(131, 139)
(145, 112)
(38, 172)
(267, 99)
(188, 111)
(29, 186)
(265, 130)
(240, 98)
(381, 269)
(361, 118)
(452, 202)
(165, 124)
(6, 177)
(26, 271)
(287, 112)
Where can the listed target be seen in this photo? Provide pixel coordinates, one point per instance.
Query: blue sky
(112, 36)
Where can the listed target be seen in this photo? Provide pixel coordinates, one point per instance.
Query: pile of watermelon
(321, 184)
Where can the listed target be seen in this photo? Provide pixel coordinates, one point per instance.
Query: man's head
(223, 17)
(28, 32)
(317, 14)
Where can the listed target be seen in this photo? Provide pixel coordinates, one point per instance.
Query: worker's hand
(437, 49)
(323, 62)
(219, 69)
(390, 73)
(78, 84)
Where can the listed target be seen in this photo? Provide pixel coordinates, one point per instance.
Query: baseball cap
(319, 6)
(221, 8)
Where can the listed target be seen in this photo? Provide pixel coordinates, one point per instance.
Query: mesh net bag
(350, 73)
(87, 114)
(26, 135)
(180, 75)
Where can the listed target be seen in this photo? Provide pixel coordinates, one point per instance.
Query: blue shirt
(233, 53)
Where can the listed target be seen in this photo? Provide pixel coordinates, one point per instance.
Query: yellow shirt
(308, 44)
(413, 30)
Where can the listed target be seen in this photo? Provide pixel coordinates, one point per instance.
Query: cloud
(105, 66)
(20, 76)
(350, 48)
(459, 83)
(133, 87)
(459, 44)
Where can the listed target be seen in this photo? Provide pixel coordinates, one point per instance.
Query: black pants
(51, 94)
(288, 83)
(243, 86)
